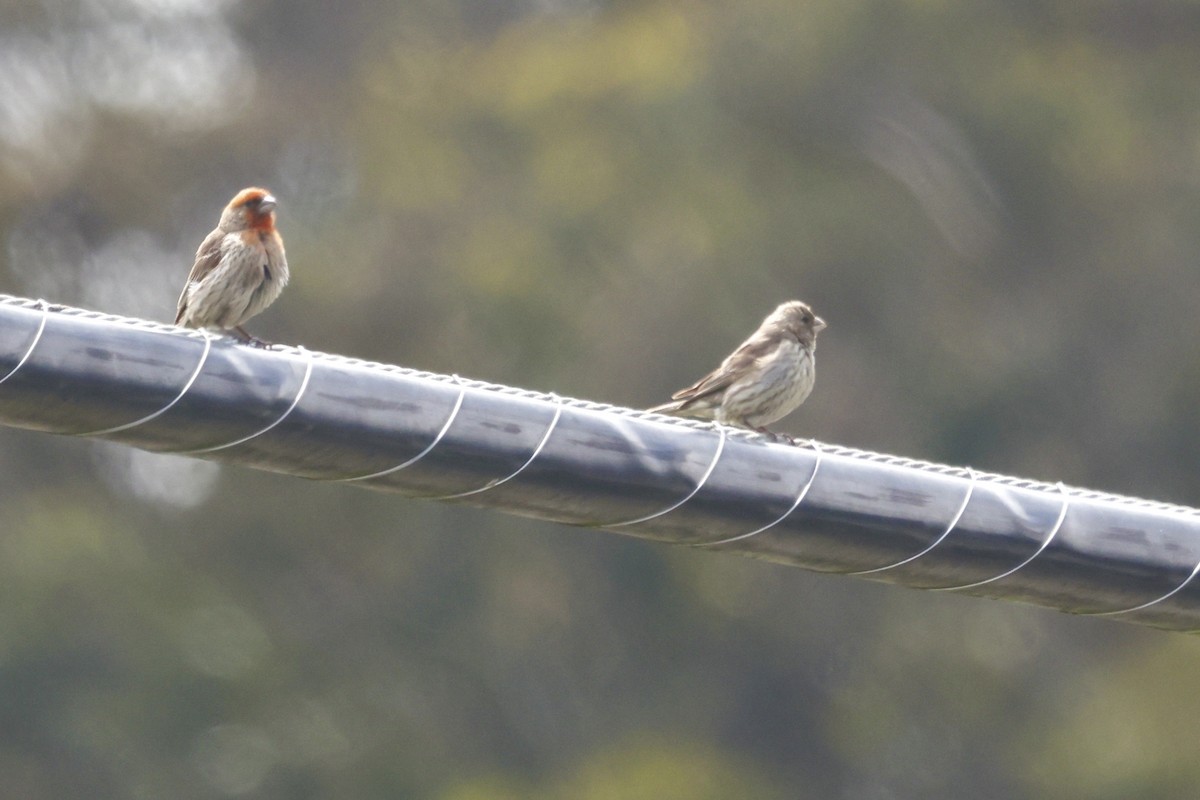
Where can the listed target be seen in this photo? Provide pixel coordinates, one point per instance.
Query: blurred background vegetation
(993, 202)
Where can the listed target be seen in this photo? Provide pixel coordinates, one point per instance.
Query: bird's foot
(245, 338)
(777, 437)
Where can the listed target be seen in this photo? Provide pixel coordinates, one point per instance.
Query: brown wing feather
(208, 255)
(731, 369)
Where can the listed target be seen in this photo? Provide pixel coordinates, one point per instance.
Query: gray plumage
(764, 379)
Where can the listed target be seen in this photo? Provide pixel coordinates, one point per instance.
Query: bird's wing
(207, 258)
(732, 369)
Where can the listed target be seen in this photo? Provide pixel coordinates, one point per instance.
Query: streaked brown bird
(240, 267)
(764, 380)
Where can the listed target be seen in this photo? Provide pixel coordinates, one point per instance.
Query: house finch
(240, 267)
(764, 380)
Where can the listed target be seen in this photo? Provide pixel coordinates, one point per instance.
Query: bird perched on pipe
(762, 381)
(240, 267)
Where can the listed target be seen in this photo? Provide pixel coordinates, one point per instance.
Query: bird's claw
(777, 437)
(253, 341)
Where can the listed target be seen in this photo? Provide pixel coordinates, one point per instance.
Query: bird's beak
(267, 204)
(818, 324)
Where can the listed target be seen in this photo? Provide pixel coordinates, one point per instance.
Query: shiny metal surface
(382, 427)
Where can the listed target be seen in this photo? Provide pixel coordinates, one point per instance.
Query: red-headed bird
(240, 267)
(764, 380)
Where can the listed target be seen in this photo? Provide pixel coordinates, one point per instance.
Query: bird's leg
(778, 437)
(251, 340)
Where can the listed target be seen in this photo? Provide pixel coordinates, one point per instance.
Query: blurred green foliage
(993, 203)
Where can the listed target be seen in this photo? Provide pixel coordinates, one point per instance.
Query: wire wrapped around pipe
(817, 506)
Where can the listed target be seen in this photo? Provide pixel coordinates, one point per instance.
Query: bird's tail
(674, 407)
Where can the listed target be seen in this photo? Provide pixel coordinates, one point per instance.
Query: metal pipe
(817, 506)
